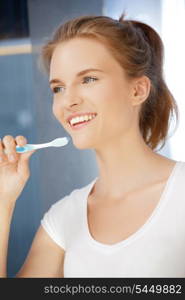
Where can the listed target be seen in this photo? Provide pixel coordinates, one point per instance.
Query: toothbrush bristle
(60, 141)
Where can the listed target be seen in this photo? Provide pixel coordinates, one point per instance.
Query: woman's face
(105, 94)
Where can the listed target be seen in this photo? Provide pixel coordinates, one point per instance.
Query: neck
(123, 165)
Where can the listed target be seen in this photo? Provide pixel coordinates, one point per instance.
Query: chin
(82, 144)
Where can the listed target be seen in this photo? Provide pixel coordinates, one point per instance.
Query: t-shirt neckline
(143, 228)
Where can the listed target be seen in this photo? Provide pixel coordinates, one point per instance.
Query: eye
(86, 79)
(57, 89)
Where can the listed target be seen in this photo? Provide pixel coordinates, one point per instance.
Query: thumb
(23, 165)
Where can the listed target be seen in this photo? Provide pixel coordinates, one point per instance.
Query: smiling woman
(138, 50)
(110, 96)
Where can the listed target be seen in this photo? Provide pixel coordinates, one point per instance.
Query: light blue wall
(62, 169)
(17, 117)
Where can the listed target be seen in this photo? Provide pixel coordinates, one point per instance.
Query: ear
(141, 90)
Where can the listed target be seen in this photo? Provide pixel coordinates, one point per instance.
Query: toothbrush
(59, 142)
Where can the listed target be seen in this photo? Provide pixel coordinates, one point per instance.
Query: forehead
(81, 53)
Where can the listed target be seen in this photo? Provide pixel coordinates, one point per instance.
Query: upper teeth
(81, 119)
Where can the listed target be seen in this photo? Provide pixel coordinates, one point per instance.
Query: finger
(23, 165)
(25, 156)
(21, 140)
(2, 156)
(9, 147)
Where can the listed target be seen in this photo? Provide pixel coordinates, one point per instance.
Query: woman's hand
(14, 168)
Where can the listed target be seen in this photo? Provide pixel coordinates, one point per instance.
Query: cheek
(55, 110)
(117, 112)
(115, 103)
(58, 112)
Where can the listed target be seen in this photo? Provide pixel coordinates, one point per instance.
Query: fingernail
(23, 141)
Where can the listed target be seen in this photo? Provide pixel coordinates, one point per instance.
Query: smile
(80, 122)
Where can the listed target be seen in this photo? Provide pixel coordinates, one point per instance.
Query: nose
(71, 98)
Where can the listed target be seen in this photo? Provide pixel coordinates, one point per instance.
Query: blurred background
(26, 100)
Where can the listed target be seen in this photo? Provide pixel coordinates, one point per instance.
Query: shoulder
(177, 178)
(180, 166)
(71, 201)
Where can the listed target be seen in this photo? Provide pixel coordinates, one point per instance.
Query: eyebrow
(77, 75)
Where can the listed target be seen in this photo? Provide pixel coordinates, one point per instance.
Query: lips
(80, 125)
(79, 115)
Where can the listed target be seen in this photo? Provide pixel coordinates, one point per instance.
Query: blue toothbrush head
(20, 149)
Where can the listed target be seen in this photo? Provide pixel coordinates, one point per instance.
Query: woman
(109, 94)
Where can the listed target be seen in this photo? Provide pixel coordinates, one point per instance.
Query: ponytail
(156, 112)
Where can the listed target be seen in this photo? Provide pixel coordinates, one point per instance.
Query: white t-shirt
(157, 249)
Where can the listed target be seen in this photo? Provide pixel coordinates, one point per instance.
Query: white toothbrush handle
(29, 147)
(38, 146)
